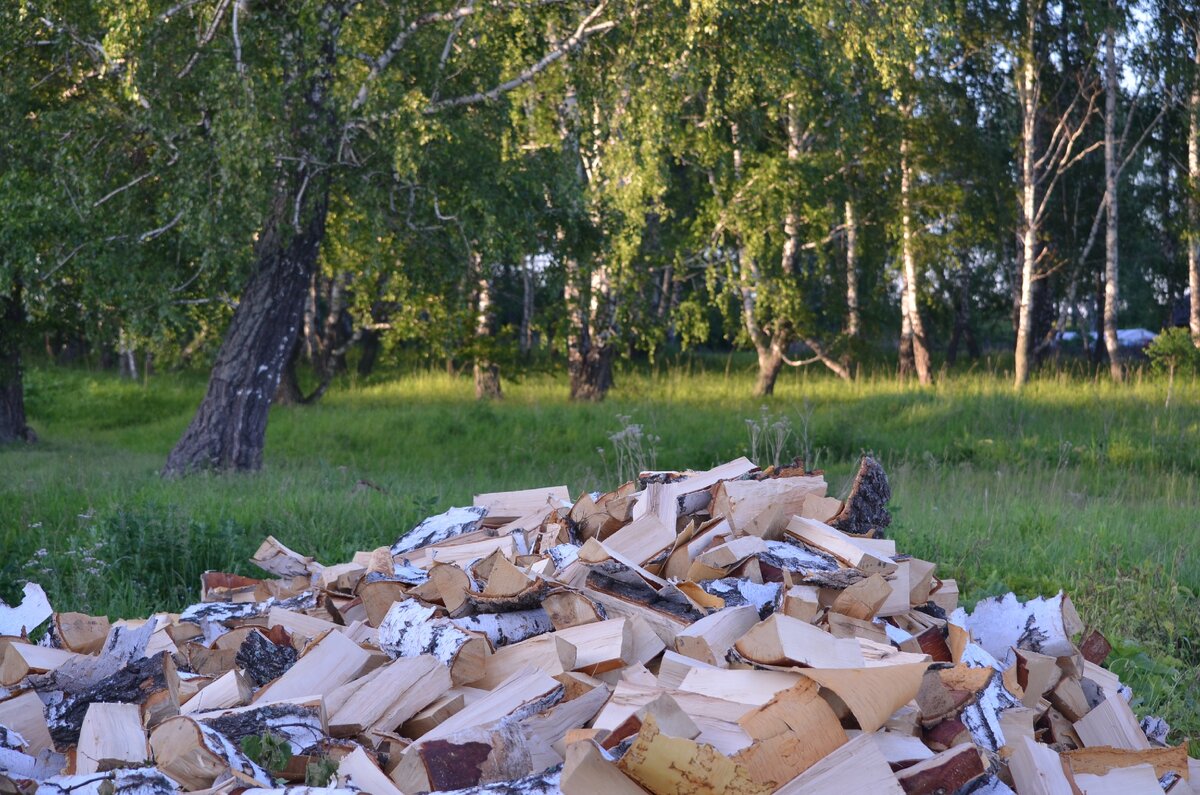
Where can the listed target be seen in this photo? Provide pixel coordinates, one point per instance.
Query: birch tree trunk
(1029, 220)
(853, 320)
(1111, 229)
(487, 373)
(13, 426)
(920, 347)
(1193, 205)
(527, 297)
(229, 429)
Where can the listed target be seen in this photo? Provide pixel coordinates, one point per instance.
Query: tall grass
(1075, 483)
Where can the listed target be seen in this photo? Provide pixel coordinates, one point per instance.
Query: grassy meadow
(1074, 484)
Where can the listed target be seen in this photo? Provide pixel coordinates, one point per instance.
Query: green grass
(1074, 484)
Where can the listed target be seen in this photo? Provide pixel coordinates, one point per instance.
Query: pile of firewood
(732, 630)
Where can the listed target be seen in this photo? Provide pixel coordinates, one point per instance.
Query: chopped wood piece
(505, 506)
(448, 704)
(1037, 770)
(710, 638)
(274, 557)
(22, 659)
(300, 722)
(195, 755)
(785, 641)
(526, 692)
(1120, 781)
(150, 682)
(262, 659)
(21, 619)
(949, 771)
(299, 623)
(863, 599)
(855, 767)
(1095, 648)
(409, 631)
(871, 694)
(1099, 760)
(435, 529)
(1069, 699)
(394, 694)
(552, 654)
(569, 608)
(900, 750)
(503, 629)
(1112, 723)
(602, 646)
(1000, 624)
(139, 781)
(740, 502)
(945, 595)
(80, 633)
(231, 689)
(843, 547)
(329, 662)
(25, 715)
(588, 772)
(111, 736)
(865, 511)
(357, 770)
(664, 764)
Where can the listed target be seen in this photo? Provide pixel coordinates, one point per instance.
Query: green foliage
(268, 750)
(1173, 351)
(320, 772)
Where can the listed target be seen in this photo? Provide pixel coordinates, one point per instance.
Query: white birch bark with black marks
(1111, 227)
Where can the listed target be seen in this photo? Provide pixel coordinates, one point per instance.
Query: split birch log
(409, 630)
(231, 689)
(111, 736)
(151, 683)
(1120, 781)
(784, 641)
(742, 501)
(397, 692)
(865, 511)
(856, 766)
(1043, 625)
(358, 771)
(664, 764)
(21, 659)
(329, 662)
(138, 781)
(1100, 760)
(587, 771)
(34, 608)
(1113, 724)
(569, 608)
(435, 529)
(710, 638)
(871, 694)
(80, 633)
(301, 722)
(1037, 770)
(952, 770)
(25, 715)
(195, 755)
(272, 556)
(505, 506)
(525, 693)
(843, 547)
(551, 654)
(503, 629)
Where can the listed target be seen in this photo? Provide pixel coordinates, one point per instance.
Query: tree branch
(582, 33)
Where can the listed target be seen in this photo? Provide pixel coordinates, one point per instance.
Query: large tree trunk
(770, 363)
(487, 372)
(1029, 220)
(13, 427)
(229, 429)
(920, 344)
(1193, 246)
(1111, 229)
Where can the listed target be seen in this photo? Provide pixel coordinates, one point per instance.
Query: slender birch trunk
(1029, 219)
(1193, 204)
(920, 346)
(1111, 229)
(853, 321)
